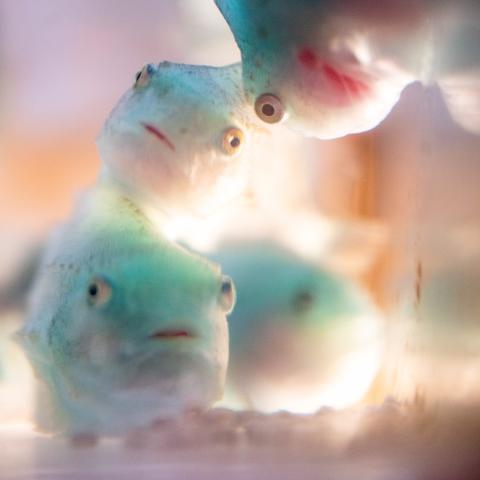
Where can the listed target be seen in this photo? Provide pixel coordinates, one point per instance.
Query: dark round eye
(227, 294)
(99, 292)
(232, 140)
(302, 301)
(142, 78)
(269, 108)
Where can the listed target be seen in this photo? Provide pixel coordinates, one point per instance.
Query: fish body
(301, 337)
(329, 68)
(179, 138)
(123, 326)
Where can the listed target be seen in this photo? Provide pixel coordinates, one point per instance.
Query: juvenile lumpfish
(124, 326)
(179, 138)
(301, 337)
(330, 68)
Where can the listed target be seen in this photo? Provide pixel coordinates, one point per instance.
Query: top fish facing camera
(178, 139)
(331, 68)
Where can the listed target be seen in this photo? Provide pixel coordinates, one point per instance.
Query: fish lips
(172, 334)
(159, 135)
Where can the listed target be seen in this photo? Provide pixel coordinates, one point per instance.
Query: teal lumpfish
(301, 337)
(124, 326)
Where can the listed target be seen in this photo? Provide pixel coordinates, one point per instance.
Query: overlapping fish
(329, 68)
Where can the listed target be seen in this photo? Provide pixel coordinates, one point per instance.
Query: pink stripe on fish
(342, 82)
(159, 134)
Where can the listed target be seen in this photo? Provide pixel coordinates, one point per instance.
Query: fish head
(310, 69)
(180, 137)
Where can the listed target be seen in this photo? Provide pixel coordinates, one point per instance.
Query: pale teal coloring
(298, 334)
(178, 136)
(124, 326)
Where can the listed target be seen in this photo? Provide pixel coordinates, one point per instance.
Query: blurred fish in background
(301, 336)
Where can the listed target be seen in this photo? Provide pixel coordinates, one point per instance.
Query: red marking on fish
(307, 57)
(341, 81)
(160, 135)
(345, 82)
(167, 334)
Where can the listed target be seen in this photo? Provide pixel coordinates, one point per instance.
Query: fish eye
(269, 108)
(142, 78)
(99, 292)
(302, 301)
(232, 140)
(228, 294)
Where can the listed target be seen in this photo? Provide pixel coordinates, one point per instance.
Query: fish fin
(461, 93)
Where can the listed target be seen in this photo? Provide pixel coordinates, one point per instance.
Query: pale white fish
(179, 139)
(329, 68)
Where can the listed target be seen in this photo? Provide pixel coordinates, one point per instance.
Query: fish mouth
(157, 133)
(171, 334)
